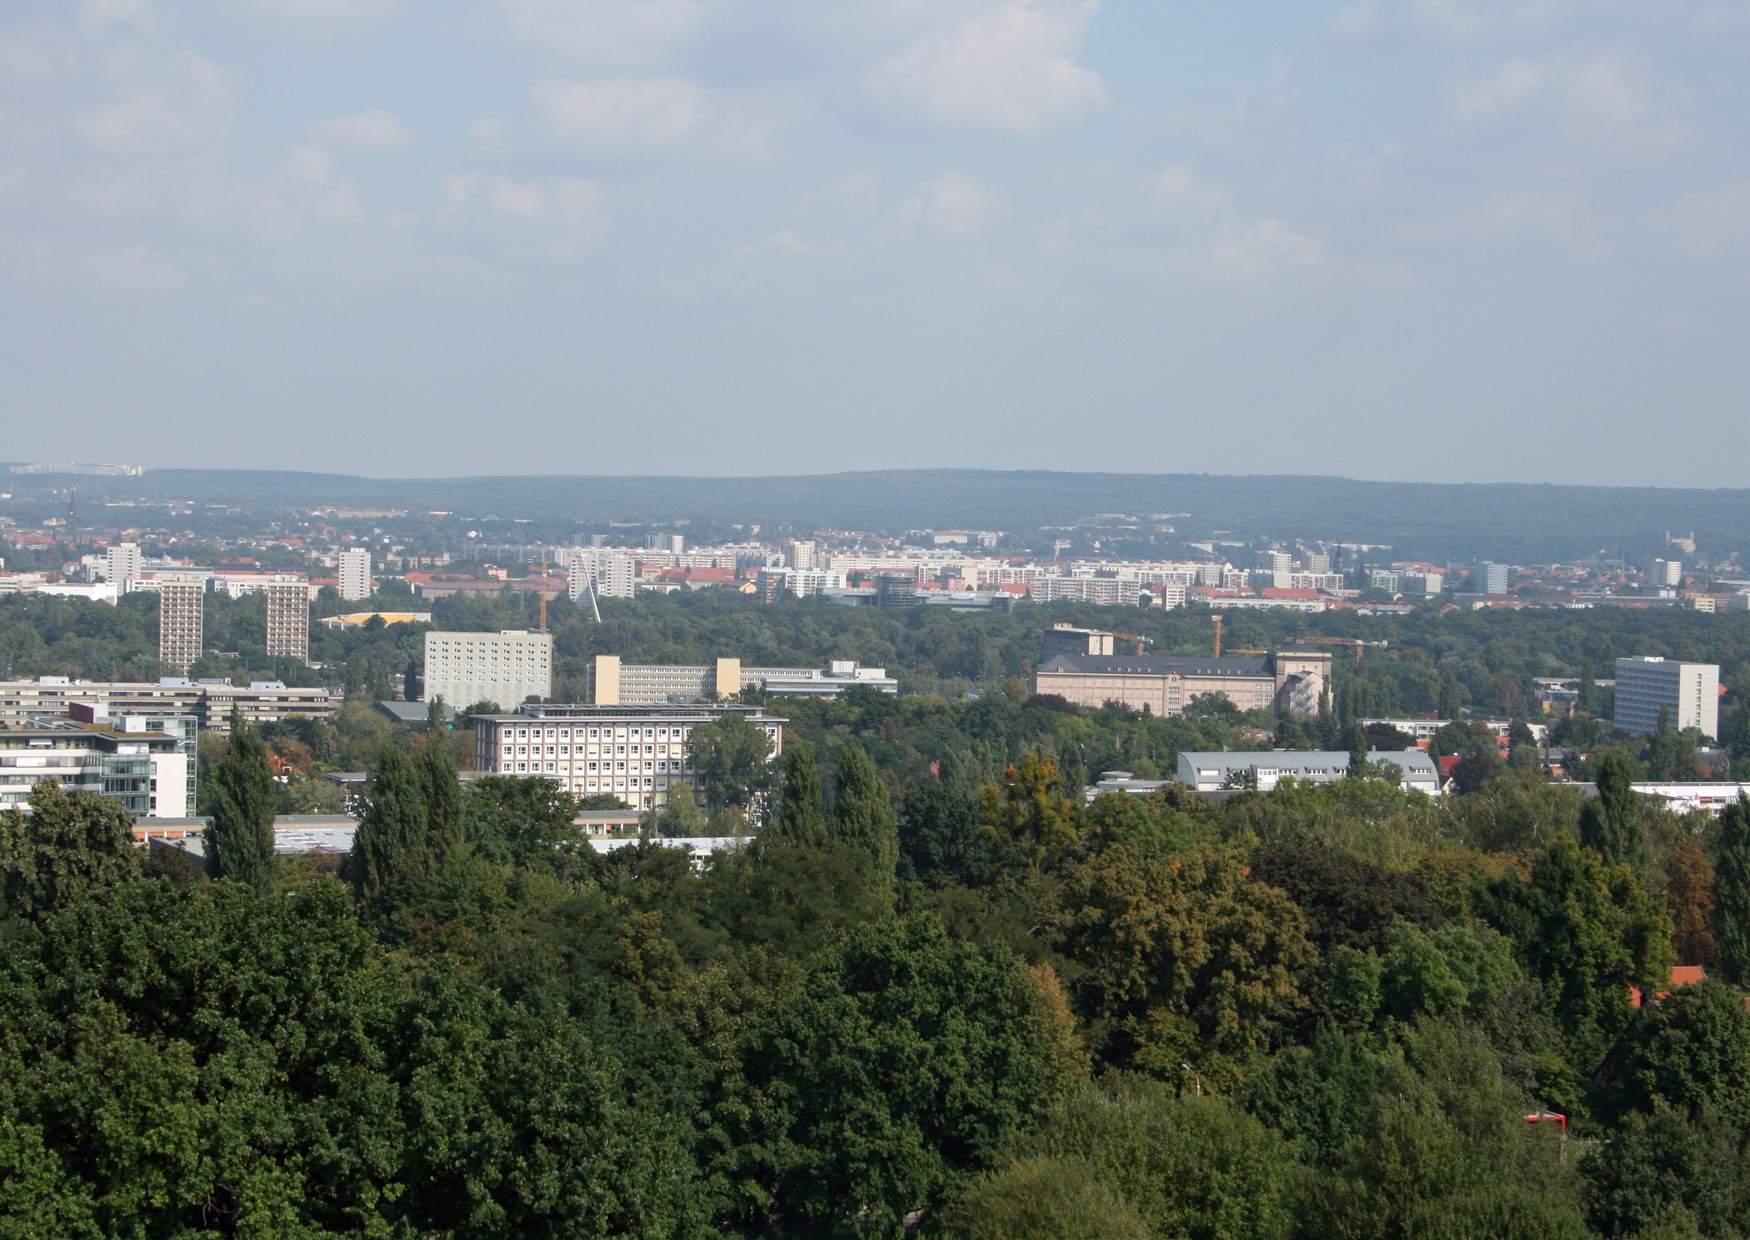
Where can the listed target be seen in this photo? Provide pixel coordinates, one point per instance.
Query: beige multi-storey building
(288, 620)
(636, 753)
(1288, 682)
(507, 668)
(181, 622)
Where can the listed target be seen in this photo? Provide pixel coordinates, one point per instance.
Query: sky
(1497, 240)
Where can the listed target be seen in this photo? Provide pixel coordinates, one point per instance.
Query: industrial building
(635, 753)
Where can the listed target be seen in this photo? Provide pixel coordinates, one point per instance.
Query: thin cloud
(1011, 68)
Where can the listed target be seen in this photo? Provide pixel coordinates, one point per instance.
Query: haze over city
(1421, 240)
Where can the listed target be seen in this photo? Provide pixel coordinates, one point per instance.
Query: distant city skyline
(1418, 240)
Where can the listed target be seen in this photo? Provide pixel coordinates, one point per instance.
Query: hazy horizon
(511, 475)
(1411, 241)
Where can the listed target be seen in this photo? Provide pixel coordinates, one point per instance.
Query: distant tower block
(288, 620)
(181, 623)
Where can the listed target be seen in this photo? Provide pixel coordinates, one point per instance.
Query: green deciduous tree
(1181, 958)
(241, 800)
(67, 846)
(730, 757)
(1190, 1166)
(862, 813)
(797, 816)
(1732, 891)
(1029, 812)
(1610, 823)
(389, 847)
(1045, 1199)
(1587, 932)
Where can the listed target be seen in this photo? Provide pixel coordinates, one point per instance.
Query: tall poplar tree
(1732, 891)
(1610, 823)
(797, 817)
(443, 805)
(862, 813)
(1359, 762)
(391, 836)
(239, 844)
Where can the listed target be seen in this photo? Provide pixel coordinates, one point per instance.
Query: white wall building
(1689, 692)
(355, 574)
(635, 753)
(122, 565)
(1212, 772)
(506, 668)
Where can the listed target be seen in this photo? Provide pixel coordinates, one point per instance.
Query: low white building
(1263, 770)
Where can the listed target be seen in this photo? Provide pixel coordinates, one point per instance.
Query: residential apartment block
(636, 753)
(181, 622)
(354, 570)
(507, 668)
(288, 619)
(1689, 693)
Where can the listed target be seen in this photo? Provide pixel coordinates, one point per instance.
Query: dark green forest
(947, 996)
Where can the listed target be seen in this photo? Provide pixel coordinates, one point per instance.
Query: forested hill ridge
(1527, 523)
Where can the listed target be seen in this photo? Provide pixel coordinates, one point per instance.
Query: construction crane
(1232, 649)
(543, 594)
(1138, 638)
(1357, 643)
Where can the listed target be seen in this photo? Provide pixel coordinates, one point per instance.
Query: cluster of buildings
(515, 666)
(136, 742)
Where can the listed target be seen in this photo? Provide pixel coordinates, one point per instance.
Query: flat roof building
(504, 668)
(125, 759)
(1689, 694)
(636, 753)
(1212, 772)
(209, 702)
(614, 683)
(288, 619)
(354, 570)
(181, 622)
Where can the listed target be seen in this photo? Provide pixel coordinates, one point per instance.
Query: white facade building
(355, 574)
(1688, 692)
(1212, 772)
(506, 668)
(635, 753)
(123, 565)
